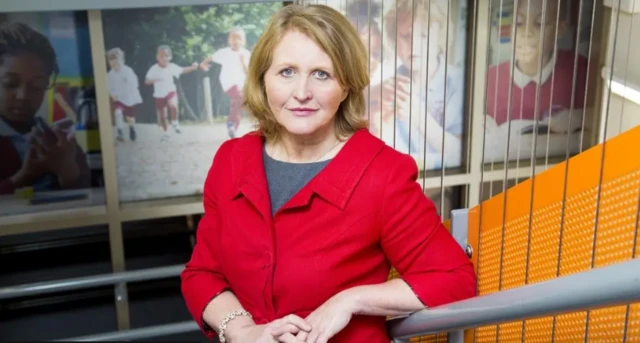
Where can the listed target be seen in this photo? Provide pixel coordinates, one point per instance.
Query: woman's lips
(303, 111)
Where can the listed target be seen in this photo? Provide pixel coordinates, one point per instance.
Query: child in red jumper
(540, 70)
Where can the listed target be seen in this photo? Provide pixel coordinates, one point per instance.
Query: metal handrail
(56, 286)
(617, 284)
(141, 333)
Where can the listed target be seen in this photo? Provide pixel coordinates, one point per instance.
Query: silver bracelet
(229, 317)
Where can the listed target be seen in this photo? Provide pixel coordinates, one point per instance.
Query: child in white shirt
(124, 92)
(161, 75)
(234, 60)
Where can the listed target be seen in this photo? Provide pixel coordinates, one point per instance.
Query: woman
(305, 217)
(34, 154)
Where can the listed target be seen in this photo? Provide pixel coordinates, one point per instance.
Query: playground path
(150, 168)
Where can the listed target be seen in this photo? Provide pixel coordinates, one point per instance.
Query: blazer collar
(335, 183)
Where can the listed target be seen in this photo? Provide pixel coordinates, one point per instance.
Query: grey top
(285, 179)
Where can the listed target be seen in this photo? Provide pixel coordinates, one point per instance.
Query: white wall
(622, 99)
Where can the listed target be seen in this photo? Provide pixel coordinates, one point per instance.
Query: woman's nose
(302, 91)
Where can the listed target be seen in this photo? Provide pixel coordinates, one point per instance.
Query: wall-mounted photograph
(175, 81)
(49, 139)
(536, 92)
(417, 55)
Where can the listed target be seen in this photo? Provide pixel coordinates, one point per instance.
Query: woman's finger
(302, 335)
(289, 338)
(286, 328)
(297, 321)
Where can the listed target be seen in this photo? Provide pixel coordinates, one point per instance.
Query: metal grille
(563, 243)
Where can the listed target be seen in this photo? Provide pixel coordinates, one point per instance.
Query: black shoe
(132, 133)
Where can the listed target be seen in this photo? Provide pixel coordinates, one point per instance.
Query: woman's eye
(286, 72)
(322, 75)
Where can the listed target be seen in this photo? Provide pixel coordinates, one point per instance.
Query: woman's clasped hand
(283, 330)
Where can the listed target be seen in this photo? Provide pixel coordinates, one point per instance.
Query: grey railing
(618, 284)
(613, 285)
(46, 287)
(141, 333)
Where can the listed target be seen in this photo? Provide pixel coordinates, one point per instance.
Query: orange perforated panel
(617, 220)
(521, 244)
(440, 338)
(633, 329)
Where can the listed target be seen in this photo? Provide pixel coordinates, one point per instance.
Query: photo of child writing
(34, 154)
(548, 86)
(419, 108)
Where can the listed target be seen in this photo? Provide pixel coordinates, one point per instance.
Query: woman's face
(302, 90)
(23, 83)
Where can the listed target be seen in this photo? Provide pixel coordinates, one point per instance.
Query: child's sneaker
(176, 127)
(165, 137)
(120, 137)
(132, 133)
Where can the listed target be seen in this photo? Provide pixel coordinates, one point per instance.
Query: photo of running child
(176, 77)
(124, 92)
(234, 61)
(161, 76)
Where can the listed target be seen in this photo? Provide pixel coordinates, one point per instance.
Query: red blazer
(359, 216)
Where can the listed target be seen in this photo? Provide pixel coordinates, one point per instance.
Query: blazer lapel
(249, 176)
(337, 181)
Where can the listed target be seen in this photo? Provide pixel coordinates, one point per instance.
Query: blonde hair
(117, 53)
(338, 38)
(430, 11)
